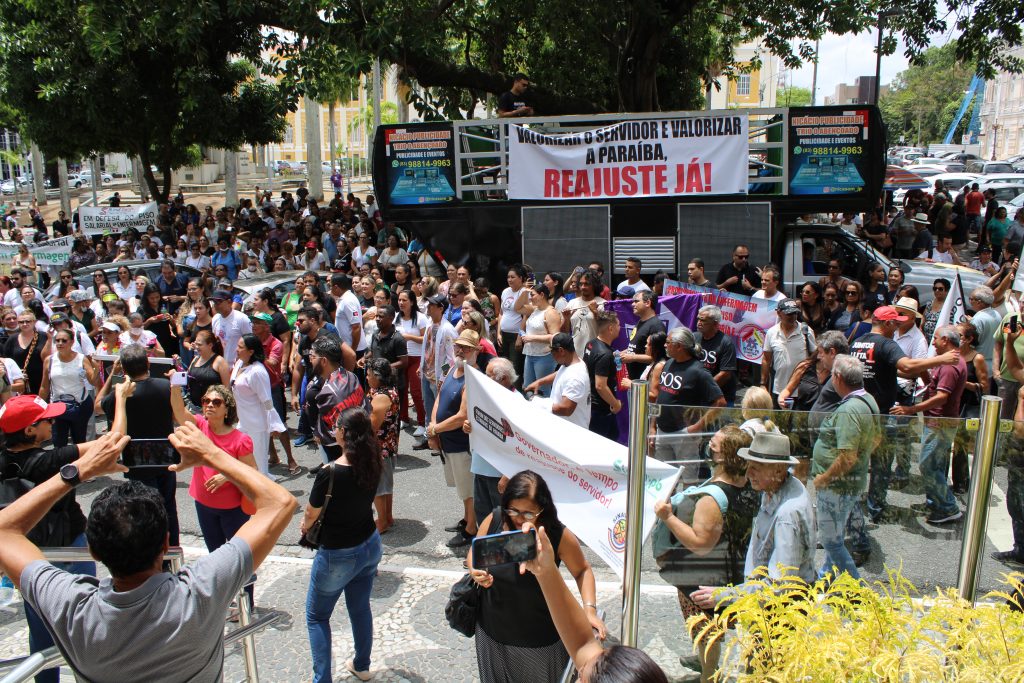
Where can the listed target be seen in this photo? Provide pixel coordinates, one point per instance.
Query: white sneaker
(419, 431)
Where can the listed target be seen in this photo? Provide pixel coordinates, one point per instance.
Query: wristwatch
(69, 475)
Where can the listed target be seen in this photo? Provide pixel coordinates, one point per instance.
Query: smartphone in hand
(511, 547)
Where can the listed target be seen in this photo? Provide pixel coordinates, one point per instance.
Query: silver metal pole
(30, 666)
(638, 431)
(978, 498)
(96, 180)
(252, 674)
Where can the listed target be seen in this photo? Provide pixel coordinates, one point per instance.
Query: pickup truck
(856, 253)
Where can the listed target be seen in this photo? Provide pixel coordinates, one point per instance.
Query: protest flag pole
(638, 431)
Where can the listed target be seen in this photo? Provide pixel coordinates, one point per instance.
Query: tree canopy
(152, 79)
(923, 99)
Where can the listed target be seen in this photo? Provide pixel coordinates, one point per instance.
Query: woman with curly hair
(384, 415)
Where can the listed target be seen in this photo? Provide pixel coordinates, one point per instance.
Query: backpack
(51, 530)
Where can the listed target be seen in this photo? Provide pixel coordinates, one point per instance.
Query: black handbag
(463, 606)
(311, 539)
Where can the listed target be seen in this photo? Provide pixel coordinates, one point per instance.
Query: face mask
(252, 268)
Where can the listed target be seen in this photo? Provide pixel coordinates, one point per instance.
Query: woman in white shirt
(250, 383)
(412, 325)
(67, 376)
(364, 254)
(124, 286)
(514, 300)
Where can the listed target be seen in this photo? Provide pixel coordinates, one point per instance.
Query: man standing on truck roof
(738, 276)
(513, 103)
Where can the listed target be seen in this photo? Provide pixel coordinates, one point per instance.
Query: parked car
(1004, 191)
(988, 167)
(76, 181)
(926, 170)
(105, 177)
(909, 158)
(281, 283)
(149, 267)
(1014, 204)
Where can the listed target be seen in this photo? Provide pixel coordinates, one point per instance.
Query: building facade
(754, 89)
(1002, 115)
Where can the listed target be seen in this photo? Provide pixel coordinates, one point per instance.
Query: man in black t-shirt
(684, 382)
(883, 361)
(600, 361)
(739, 277)
(389, 344)
(149, 417)
(513, 103)
(635, 356)
(717, 351)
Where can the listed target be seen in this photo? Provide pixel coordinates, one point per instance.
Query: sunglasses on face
(215, 402)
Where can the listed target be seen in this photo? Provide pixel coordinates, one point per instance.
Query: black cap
(438, 300)
(563, 340)
(221, 295)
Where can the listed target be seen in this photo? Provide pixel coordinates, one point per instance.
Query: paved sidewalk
(412, 640)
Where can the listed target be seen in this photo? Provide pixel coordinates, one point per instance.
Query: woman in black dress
(208, 367)
(29, 349)
(157, 319)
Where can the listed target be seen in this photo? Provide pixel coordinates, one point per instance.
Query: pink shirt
(236, 444)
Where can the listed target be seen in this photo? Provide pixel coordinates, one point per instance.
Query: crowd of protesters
(378, 334)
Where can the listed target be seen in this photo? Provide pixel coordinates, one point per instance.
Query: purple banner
(673, 311)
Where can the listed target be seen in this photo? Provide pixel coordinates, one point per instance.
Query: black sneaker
(458, 526)
(460, 540)
(1009, 557)
(943, 517)
(860, 557)
(691, 662)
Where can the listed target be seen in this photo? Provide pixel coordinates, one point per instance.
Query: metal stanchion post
(638, 431)
(252, 674)
(978, 498)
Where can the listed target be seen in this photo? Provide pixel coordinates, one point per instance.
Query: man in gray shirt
(142, 623)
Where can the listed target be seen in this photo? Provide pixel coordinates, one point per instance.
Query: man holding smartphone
(142, 623)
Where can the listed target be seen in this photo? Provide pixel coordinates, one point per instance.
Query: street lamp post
(882, 16)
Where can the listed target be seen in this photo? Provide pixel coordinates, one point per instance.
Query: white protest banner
(97, 220)
(745, 319)
(53, 252)
(587, 473)
(701, 155)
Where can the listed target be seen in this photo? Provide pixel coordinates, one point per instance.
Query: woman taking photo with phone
(219, 503)
(348, 548)
(516, 639)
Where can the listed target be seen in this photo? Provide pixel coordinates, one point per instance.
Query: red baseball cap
(889, 313)
(22, 411)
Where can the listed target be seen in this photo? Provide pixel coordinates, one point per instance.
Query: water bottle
(6, 592)
(620, 371)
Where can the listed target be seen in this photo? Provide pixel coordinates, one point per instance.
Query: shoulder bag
(311, 539)
(463, 606)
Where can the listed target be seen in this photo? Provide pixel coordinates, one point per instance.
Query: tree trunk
(230, 178)
(637, 69)
(65, 191)
(314, 171)
(38, 175)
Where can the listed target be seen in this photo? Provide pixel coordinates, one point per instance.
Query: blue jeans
(39, 637)
(934, 464)
(219, 526)
(303, 428)
(834, 510)
(351, 570)
(429, 391)
(536, 367)
(74, 427)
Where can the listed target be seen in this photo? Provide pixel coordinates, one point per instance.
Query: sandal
(274, 463)
(294, 469)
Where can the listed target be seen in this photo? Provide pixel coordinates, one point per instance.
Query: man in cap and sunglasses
(782, 539)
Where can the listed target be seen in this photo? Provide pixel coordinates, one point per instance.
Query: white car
(954, 182)
(105, 177)
(926, 170)
(1004, 191)
(1014, 204)
(77, 181)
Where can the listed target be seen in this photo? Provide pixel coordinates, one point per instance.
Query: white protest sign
(699, 155)
(587, 473)
(97, 220)
(53, 252)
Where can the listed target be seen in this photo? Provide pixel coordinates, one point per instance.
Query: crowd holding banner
(99, 220)
(642, 158)
(587, 473)
(745, 319)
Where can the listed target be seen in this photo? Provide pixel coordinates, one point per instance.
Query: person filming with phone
(141, 623)
(27, 423)
(516, 638)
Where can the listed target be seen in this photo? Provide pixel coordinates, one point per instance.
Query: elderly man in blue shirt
(783, 537)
